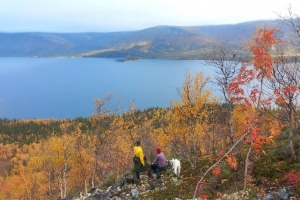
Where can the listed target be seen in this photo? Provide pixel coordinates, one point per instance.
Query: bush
(293, 179)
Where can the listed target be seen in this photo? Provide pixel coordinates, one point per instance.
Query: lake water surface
(66, 87)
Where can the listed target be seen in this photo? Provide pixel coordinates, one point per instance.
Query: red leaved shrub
(293, 178)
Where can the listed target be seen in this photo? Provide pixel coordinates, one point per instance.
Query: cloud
(119, 15)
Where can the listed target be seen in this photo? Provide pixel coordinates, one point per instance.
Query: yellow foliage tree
(240, 115)
(189, 122)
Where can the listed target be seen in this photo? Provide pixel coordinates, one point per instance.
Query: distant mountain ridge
(172, 42)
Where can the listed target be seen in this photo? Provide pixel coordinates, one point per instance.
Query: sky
(128, 15)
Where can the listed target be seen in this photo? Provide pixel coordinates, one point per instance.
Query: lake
(61, 88)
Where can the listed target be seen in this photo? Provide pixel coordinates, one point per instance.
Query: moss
(298, 188)
(109, 181)
(274, 163)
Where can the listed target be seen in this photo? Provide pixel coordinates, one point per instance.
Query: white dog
(175, 163)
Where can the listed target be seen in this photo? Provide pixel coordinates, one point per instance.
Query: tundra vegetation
(252, 133)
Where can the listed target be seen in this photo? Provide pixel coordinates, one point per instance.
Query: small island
(129, 58)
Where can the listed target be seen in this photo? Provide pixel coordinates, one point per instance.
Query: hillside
(52, 44)
(172, 42)
(266, 177)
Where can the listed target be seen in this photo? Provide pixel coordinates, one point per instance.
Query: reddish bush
(293, 178)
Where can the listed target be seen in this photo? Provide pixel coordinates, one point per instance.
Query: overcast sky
(123, 15)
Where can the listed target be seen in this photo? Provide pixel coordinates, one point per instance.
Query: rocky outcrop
(125, 189)
(272, 193)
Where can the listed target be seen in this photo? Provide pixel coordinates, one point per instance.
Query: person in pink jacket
(160, 162)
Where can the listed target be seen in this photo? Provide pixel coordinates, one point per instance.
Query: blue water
(66, 87)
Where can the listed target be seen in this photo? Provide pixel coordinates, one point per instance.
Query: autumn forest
(52, 159)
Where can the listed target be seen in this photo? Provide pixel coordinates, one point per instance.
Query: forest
(54, 159)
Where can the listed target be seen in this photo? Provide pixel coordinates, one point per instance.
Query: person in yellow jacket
(140, 164)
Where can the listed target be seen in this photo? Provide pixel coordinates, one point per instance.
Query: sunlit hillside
(164, 42)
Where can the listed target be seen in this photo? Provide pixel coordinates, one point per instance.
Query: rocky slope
(125, 189)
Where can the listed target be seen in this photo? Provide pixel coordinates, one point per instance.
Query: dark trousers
(157, 169)
(154, 167)
(136, 178)
(137, 175)
(147, 171)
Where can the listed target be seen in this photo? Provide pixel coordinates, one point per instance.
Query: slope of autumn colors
(226, 144)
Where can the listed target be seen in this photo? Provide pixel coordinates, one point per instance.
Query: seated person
(160, 162)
